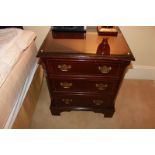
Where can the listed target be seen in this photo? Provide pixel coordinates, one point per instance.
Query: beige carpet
(135, 108)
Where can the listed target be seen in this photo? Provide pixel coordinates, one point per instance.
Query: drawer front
(83, 85)
(77, 67)
(81, 100)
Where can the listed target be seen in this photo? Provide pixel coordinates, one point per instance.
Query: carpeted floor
(135, 108)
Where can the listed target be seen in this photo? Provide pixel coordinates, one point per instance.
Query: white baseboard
(141, 72)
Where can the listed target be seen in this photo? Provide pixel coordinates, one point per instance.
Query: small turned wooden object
(103, 48)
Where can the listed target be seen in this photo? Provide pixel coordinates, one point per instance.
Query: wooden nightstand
(82, 77)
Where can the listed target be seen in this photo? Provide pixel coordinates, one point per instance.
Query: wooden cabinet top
(86, 47)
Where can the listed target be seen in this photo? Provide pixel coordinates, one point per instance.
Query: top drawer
(87, 67)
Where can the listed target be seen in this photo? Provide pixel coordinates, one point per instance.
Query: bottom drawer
(82, 100)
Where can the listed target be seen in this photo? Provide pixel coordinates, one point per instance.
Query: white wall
(41, 32)
(141, 40)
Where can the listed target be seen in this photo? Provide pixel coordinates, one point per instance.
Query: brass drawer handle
(101, 86)
(98, 102)
(64, 67)
(105, 69)
(67, 100)
(66, 85)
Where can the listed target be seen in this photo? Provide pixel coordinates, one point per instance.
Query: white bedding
(13, 43)
(11, 90)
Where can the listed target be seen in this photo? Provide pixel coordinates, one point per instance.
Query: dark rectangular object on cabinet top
(68, 28)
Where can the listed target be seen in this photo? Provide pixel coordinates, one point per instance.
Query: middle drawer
(83, 84)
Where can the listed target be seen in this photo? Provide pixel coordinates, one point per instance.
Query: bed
(18, 65)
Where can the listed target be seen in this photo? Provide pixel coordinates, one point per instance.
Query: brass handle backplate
(101, 86)
(67, 100)
(66, 85)
(105, 69)
(98, 102)
(64, 67)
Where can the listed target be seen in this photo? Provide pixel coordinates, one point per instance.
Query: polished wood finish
(24, 117)
(82, 100)
(80, 75)
(68, 35)
(78, 84)
(89, 67)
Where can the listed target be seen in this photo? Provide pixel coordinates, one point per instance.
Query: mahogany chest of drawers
(80, 76)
